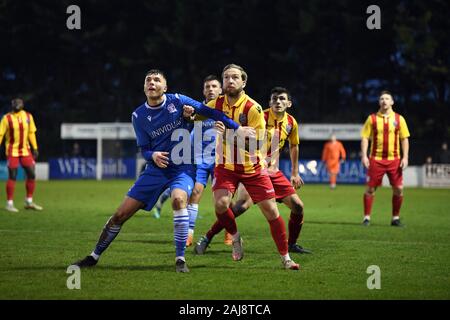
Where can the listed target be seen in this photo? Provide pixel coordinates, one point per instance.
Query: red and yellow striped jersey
(246, 112)
(281, 129)
(19, 131)
(385, 133)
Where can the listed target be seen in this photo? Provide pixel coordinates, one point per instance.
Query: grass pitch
(38, 247)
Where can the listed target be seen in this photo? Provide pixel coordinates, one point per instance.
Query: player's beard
(235, 92)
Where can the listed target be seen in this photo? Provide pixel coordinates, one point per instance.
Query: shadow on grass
(348, 223)
(105, 267)
(144, 241)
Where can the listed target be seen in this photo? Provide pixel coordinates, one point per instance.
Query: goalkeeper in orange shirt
(332, 154)
(19, 130)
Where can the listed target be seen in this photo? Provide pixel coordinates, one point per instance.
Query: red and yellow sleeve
(366, 131)
(3, 128)
(294, 139)
(32, 134)
(404, 132)
(256, 120)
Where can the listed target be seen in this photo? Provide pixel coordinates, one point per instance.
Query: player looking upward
(155, 123)
(234, 166)
(284, 126)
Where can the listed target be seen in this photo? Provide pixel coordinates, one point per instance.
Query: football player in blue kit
(155, 123)
(204, 153)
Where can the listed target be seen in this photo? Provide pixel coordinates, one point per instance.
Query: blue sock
(193, 211)
(107, 236)
(180, 230)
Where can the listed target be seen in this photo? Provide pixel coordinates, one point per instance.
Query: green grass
(38, 247)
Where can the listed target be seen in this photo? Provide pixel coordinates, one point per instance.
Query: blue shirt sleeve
(147, 153)
(142, 138)
(208, 112)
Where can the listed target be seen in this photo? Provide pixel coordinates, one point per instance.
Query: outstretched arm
(208, 112)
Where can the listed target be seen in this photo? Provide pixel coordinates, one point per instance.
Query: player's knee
(196, 194)
(370, 191)
(398, 191)
(221, 205)
(297, 208)
(31, 175)
(12, 174)
(178, 202)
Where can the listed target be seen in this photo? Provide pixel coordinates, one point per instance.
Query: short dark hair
(235, 66)
(386, 92)
(155, 71)
(280, 90)
(212, 77)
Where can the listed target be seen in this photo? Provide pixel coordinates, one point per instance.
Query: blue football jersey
(155, 125)
(204, 152)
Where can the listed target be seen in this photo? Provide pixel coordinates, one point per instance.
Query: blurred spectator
(76, 150)
(429, 160)
(444, 154)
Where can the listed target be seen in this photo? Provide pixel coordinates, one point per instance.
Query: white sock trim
(367, 217)
(193, 205)
(181, 212)
(181, 258)
(396, 218)
(95, 256)
(286, 257)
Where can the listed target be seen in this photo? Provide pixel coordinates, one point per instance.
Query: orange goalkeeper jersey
(333, 152)
(19, 129)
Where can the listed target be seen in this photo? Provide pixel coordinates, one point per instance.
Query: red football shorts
(378, 168)
(27, 161)
(258, 185)
(283, 187)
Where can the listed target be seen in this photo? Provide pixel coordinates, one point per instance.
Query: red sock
(368, 201)
(10, 184)
(30, 185)
(278, 231)
(295, 226)
(396, 205)
(215, 229)
(226, 219)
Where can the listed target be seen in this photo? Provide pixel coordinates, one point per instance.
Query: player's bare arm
(364, 147)
(405, 151)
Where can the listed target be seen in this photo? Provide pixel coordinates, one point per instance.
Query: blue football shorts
(203, 172)
(154, 180)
